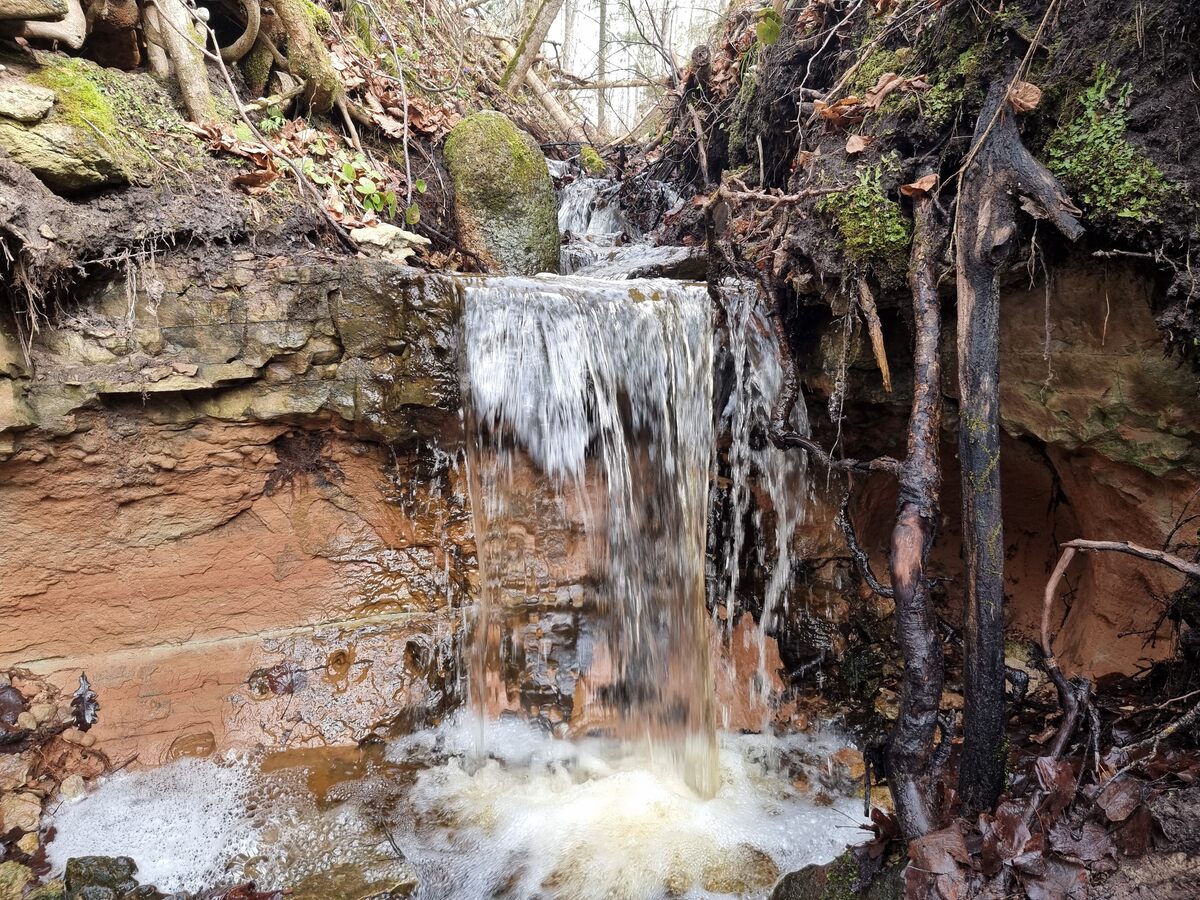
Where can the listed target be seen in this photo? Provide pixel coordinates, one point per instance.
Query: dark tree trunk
(1000, 176)
(910, 750)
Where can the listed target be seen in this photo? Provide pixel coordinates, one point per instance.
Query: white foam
(540, 818)
(183, 824)
(562, 819)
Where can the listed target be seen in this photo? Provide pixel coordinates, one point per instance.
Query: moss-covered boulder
(61, 122)
(504, 204)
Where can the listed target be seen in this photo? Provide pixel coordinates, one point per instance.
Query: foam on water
(560, 819)
(183, 824)
(540, 818)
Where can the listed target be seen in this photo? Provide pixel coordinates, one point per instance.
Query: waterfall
(589, 433)
(754, 376)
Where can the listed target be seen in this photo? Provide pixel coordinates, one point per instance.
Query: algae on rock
(505, 204)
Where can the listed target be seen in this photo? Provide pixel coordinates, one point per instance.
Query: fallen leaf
(1024, 97)
(1046, 878)
(847, 111)
(257, 182)
(857, 144)
(1057, 780)
(1120, 797)
(921, 186)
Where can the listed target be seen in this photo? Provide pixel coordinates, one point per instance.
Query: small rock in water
(21, 811)
(13, 877)
(72, 786)
(96, 877)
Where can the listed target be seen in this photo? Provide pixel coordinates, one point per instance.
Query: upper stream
(591, 761)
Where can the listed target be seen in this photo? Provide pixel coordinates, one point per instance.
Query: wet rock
(99, 877)
(12, 704)
(504, 197)
(13, 878)
(32, 10)
(388, 242)
(72, 786)
(23, 102)
(62, 155)
(347, 882)
(14, 771)
(840, 880)
(22, 811)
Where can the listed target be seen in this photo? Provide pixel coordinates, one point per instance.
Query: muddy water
(541, 818)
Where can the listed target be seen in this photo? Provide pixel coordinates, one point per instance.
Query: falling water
(754, 377)
(589, 429)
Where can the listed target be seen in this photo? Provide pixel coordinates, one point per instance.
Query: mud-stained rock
(504, 198)
(13, 878)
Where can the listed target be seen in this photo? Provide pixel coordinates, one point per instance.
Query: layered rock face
(225, 503)
(1102, 441)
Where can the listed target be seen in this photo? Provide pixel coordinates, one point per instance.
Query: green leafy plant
(769, 26)
(1096, 162)
(873, 228)
(356, 180)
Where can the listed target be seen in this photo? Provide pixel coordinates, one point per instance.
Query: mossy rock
(591, 160)
(504, 198)
(13, 878)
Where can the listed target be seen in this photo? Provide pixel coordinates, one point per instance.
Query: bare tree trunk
(185, 48)
(1001, 174)
(530, 45)
(910, 749)
(602, 71)
(568, 57)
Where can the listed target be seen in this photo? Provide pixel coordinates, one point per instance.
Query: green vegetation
(591, 161)
(111, 105)
(1095, 161)
(319, 16)
(873, 228)
(878, 63)
(948, 92)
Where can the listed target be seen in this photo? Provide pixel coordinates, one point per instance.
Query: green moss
(591, 161)
(878, 63)
(320, 17)
(873, 228)
(359, 20)
(741, 116)
(113, 105)
(1102, 170)
(842, 878)
(504, 196)
(948, 92)
(256, 68)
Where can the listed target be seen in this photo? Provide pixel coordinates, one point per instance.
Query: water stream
(591, 761)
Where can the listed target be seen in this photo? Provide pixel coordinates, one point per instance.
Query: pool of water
(429, 816)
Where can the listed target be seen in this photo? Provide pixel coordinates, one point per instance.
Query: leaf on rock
(841, 113)
(1046, 878)
(1057, 780)
(1005, 835)
(1120, 797)
(1091, 843)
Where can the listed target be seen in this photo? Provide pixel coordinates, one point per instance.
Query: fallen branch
(1181, 565)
